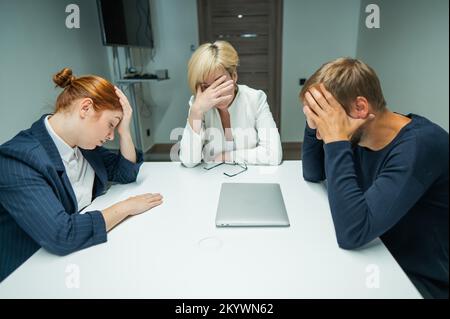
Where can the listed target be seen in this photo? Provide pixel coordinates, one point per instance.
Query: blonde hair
(346, 79)
(208, 58)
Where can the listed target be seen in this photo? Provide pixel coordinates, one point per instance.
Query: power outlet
(148, 132)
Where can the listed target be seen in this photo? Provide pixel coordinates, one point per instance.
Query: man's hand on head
(332, 122)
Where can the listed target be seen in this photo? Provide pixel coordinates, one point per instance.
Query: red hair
(101, 91)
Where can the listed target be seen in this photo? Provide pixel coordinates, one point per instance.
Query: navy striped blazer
(38, 207)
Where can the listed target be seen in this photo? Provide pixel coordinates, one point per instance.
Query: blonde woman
(227, 122)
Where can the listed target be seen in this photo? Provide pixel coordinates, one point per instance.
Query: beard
(356, 137)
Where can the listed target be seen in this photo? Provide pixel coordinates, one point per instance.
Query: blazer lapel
(39, 131)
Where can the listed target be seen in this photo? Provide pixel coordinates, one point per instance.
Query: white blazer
(256, 140)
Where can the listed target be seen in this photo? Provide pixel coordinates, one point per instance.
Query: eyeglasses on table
(243, 167)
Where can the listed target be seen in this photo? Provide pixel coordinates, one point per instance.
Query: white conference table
(175, 250)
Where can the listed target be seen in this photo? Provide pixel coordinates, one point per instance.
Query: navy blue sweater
(399, 193)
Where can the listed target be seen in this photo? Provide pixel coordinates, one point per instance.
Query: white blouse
(256, 140)
(81, 174)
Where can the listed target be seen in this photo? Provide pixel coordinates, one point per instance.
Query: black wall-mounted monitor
(126, 23)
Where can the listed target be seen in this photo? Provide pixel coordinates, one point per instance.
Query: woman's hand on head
(213, 95)
(124, 126)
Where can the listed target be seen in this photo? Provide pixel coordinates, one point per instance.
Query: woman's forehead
(214, 75)
(110, 114)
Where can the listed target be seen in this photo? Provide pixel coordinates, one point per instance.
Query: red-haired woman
(54, 169)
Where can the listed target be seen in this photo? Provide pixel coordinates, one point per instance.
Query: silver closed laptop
(251, 204)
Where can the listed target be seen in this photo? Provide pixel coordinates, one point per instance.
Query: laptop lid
(251, 204)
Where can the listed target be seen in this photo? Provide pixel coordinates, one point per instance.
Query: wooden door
(254, 28)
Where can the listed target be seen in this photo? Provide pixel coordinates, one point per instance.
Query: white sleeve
(191, 145)
(268, 150)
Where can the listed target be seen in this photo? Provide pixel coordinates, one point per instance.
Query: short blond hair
(208, 58)
(346, 79)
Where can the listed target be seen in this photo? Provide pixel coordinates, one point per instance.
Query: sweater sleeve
(312, 157)
(360, 216)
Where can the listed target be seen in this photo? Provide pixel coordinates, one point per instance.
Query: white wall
(175, 29)
(35, 44)
(307, 43)
(314, 32)
(410, 54)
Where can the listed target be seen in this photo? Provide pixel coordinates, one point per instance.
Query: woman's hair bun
(63, 78)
